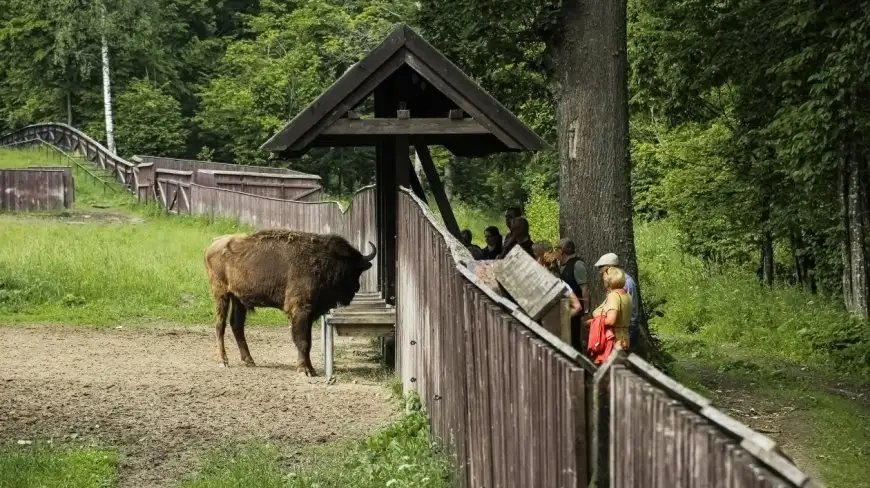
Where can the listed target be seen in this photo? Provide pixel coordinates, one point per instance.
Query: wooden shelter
(420, 99)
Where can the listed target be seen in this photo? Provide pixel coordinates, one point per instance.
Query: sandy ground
(159, 397)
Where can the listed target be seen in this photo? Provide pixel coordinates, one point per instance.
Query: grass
(470, 218)
(42, 465)
(129, 264)
(726, 313)
(400, 455)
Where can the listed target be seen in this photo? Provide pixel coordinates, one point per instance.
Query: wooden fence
(655, 432)
(356, 223)
(518, 407)
(168, 181)
(36, 189)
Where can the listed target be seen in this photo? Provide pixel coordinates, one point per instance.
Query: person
(540, 248)
(617, 307)
(550, 260)
(509, 216)
(476, 251)
(576, 307)
(573, 271)
(519, 237)
(493, 243)
(609, 261)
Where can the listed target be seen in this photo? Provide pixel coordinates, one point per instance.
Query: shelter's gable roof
(404, 47)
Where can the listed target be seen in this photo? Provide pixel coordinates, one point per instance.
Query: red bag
(601, 340)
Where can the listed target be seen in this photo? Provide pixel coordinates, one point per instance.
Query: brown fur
(303, 274)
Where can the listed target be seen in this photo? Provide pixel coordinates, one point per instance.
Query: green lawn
(399, 456)
(43, 466)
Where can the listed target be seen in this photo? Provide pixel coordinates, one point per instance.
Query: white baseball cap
(609, 259)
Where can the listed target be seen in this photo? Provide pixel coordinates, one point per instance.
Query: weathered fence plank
(36, 189)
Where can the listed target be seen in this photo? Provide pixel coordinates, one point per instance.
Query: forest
(741, 152)
(748, 121)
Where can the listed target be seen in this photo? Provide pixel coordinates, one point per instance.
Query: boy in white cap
(603, 264)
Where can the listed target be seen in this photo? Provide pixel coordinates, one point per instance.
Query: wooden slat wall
(511, 409)
(356, 223)
(194, 165)
(658, 442)
(31, 190)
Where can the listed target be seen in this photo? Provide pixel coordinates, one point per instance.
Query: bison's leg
(300, 324)
(237, 322)
(221, 303)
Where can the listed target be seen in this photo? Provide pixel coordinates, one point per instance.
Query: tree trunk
(448, 178)
(69, 108)
(856, 227)
(418, 169)
(107, 98)
(767, 258)
(589, 81)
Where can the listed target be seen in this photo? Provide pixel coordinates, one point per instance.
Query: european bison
(301, 273)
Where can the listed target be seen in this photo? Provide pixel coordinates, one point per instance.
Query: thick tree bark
(856, 222)
(448, 178)
(589, 81)
(418, 170)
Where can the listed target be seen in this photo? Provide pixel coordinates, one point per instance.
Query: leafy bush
(542, 211)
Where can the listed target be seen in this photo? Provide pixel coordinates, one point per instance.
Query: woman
(617, 313)
(493, 243)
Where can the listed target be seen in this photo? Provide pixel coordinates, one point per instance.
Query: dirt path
(748, 401)
(158, 396)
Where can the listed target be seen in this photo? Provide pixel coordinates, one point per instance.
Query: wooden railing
(356, 223)
(652, 431)
(36, 189)
(172, 179)
(72, 139)
(518, 407)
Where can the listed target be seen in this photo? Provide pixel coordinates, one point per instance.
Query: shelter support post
(437, 188)
(393, 170)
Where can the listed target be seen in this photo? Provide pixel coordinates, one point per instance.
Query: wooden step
(363, 318)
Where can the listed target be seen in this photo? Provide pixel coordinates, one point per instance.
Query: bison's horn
(371, 255)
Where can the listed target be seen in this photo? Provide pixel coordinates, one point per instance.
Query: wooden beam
(456, 114)
(437, 189)
(408, 127)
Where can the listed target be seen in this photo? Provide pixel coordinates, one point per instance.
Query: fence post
(600, 418)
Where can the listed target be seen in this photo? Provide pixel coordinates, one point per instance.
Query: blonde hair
(614, 278)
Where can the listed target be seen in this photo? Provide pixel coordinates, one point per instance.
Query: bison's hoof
(222, 365)
(249, 363)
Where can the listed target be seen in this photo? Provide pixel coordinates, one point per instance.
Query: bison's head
(367, 258)
(364, 265)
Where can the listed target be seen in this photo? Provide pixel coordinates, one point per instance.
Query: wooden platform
(367, 315)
